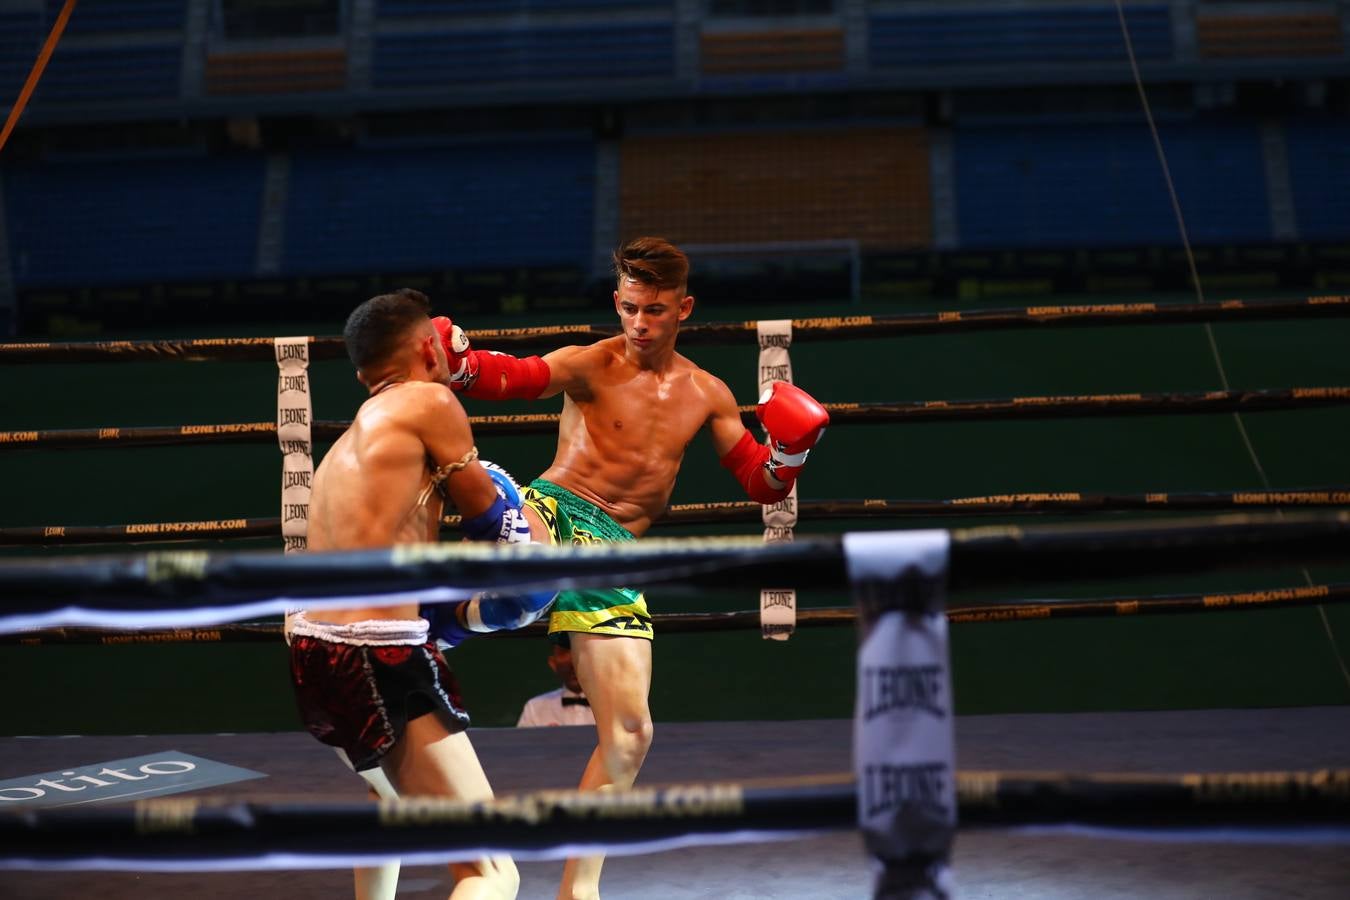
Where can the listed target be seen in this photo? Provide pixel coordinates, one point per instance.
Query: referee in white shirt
(566, 705)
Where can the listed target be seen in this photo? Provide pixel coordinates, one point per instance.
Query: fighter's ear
(427, 347)
(686, 307)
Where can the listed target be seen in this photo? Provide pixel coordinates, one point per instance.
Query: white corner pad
(885, 555)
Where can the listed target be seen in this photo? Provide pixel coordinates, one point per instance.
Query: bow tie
(575, 701)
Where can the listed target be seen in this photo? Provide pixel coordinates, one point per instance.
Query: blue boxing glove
(503, 612)
(446, 628)
(454, 623)
(504, 521)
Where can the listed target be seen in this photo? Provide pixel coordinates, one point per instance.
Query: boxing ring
(1197, 803)
(1034, 795)
(988, 862)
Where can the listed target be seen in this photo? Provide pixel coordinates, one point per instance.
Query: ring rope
(1198, 285)
(829, 328)
(750, 619)
(192, 833)
(740, 511)
(1010, 408)
(187, 588)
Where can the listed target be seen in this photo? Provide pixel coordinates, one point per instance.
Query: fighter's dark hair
(654, 261)
(375, 329)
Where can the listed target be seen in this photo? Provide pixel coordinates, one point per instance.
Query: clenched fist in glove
(486, 374)
(794, 421)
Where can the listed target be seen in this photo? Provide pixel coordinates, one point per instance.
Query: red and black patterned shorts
(361, 698)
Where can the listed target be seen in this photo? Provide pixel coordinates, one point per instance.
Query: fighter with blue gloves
(505, 523)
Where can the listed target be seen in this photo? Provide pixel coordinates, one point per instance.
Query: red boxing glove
(463, 370)
(794, 421)
(486, 374)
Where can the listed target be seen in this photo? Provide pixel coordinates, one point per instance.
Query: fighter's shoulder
(580, 360)
(605, 351)
(713, 389)
(415, 400)
(576, 354)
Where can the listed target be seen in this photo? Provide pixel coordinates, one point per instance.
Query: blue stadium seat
(1029, 36)
(539, 55)
(444, 8)
(480, 204)
(1095, 184)
(21, 35)
(1319, 176)
(133, 220)
(97, 16)
(111, 73)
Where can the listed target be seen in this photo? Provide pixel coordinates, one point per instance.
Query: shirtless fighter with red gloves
(631, 405)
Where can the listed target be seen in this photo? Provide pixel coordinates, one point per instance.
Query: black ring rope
(749, 619)
(826, 328)
(1021, 408)
(736, 511)
(1164, 604)
(544, 824)
(999, 555)
(978, 557)
(139, 533)
(742, 511)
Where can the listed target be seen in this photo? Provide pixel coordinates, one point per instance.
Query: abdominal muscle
(627, 472)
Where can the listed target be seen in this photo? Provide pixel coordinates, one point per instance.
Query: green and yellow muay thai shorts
(572, 520)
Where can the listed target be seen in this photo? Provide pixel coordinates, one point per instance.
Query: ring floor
(988, 864)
